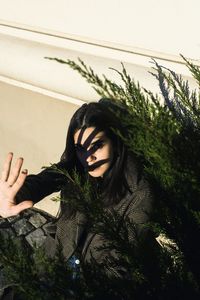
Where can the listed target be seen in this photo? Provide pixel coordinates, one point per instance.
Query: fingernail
(25, 171)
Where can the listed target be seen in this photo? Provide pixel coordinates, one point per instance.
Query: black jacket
(137, 205)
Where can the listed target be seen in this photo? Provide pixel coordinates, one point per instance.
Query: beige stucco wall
(33, 126)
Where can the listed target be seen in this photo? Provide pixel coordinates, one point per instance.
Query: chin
(97, 172)
(100, 171)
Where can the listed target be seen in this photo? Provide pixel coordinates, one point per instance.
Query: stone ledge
(31, 225)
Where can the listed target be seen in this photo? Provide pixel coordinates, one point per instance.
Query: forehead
(86, 134)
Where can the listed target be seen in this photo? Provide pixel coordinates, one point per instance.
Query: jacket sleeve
(36, 187)
(140, 209)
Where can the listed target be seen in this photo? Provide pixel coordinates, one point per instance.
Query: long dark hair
(101, 116)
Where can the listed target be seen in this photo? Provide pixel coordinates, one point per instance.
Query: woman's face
(104, 150)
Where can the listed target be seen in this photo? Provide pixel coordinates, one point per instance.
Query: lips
(96, 165)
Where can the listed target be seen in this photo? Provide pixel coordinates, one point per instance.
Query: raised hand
(11, 181)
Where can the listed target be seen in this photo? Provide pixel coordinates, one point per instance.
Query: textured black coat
(137, 205)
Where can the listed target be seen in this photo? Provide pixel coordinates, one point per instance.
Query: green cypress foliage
(166, 138)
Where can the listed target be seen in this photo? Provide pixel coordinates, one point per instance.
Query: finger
(19, 182)
(14, 173)
(16, 209)
(6, 166)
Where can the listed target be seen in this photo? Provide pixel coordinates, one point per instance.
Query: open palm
(11, 181)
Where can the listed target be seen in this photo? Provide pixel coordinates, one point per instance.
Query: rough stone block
(36, 238)
(22, 227)
(37, 220)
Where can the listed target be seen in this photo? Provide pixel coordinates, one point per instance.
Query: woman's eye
(101, 145)
(98, 145)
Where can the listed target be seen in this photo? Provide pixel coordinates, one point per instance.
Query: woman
(99, 155)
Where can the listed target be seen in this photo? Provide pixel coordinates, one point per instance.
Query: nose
(91, 158)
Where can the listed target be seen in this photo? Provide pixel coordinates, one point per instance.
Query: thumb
(15, 210)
